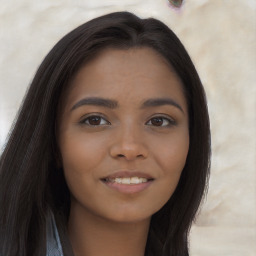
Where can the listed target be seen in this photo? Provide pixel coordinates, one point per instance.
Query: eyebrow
(113, 104)
(160, 102)
(95, 101)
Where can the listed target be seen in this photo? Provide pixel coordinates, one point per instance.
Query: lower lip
(128, 189)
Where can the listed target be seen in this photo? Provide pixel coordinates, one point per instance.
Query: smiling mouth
(127, 180)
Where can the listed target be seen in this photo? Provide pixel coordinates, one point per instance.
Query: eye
(161, 121)
(94, 120)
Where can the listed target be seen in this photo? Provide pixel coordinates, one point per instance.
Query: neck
(93, 236)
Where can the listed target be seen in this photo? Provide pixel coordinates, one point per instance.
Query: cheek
(76, 149)
(171, 158)
(81, 154)
(172, 153)
(81, 157)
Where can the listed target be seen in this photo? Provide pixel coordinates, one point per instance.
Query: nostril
(129, 152)
(121, 155)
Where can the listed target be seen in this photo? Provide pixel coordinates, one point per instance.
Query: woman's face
(123, 135)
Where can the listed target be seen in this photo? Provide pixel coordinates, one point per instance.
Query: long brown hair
(31, 184)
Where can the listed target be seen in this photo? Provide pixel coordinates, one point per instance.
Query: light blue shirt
(53, 245)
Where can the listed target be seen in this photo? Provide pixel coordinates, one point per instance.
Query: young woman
(110, 151)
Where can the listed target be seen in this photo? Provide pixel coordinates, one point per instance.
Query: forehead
(131, 74)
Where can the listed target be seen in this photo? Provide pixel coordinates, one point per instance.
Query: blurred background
(220, 36)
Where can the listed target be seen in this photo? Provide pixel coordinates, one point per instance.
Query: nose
(128, 144)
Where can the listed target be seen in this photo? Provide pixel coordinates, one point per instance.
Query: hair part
(32, 185)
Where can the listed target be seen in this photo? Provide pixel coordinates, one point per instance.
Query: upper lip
(128, 174)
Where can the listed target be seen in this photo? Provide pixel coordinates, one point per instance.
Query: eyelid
(171, 121)
(85, 117)
(163, 116)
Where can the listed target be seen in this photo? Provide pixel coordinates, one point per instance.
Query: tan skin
(153, 140)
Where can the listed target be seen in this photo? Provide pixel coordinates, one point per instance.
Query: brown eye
(158, 121)
(161, 121)
(94, 121)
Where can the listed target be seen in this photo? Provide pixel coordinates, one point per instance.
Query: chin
(130, 216)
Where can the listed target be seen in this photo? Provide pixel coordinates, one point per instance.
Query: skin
(104, 221)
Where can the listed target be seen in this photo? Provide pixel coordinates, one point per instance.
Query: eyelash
(87, 118)
(170, 121)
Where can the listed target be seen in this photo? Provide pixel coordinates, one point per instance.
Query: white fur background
(220, 36)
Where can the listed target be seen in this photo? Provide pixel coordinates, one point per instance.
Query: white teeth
(135, 180)
(118, 180)
(126, 180)
(132, 180)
